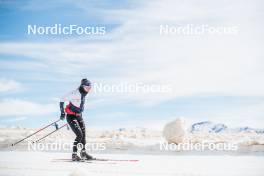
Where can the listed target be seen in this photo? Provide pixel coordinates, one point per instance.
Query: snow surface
(136, 144)
(44, 163)
(135, 140)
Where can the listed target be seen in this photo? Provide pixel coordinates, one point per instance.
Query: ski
(83, 161)
(99, 159)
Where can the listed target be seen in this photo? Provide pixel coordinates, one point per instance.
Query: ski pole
(50, 133)
(35, 133)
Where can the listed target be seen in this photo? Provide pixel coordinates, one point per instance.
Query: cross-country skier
(74, 109)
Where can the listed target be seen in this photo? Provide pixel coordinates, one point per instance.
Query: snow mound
(208, 127)
(248, 129)
(174, 132)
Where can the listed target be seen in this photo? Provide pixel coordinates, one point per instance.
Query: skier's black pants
(78, 127)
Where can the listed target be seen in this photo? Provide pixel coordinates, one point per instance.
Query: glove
(62, 111)
(62, 116)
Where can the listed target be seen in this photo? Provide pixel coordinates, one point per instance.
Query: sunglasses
(86, 88)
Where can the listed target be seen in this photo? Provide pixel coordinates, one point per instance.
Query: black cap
(86, 82)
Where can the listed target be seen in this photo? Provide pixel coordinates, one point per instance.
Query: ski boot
(75, 157)
(86, 156)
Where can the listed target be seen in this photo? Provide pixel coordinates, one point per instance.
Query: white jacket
(76, 101)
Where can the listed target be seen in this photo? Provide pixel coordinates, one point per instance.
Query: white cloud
(16, 119)
(192, 65)
(250, 115)
(17, 107)
(7, 85)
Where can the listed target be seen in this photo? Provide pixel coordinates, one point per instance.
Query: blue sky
(213, 77)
